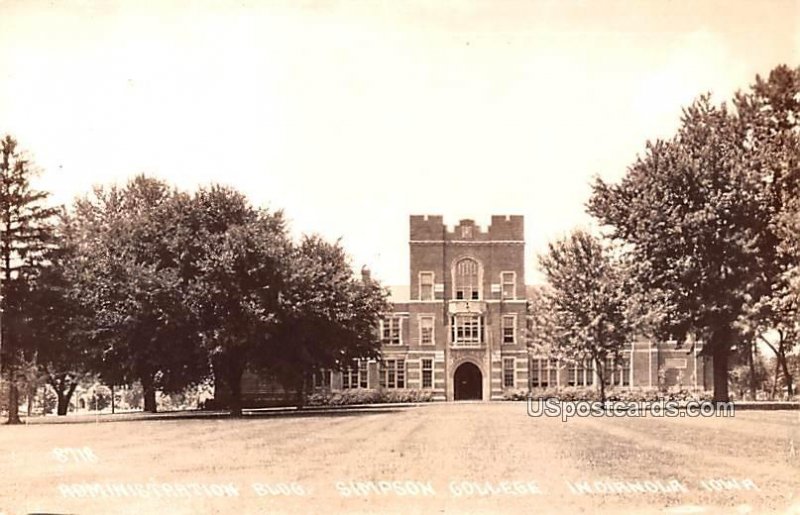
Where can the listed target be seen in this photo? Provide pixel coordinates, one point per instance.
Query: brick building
(461, 331)
(458, 330)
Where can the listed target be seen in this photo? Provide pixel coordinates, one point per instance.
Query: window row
(467, 283)
(391, 374)
(465, 329)
(544, 373)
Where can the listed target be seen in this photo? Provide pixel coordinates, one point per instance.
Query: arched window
(467, 285)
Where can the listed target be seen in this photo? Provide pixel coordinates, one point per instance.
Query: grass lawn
(460, 458)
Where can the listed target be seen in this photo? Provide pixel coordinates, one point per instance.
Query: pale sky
(352, 115)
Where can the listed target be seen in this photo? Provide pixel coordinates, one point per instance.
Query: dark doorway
(468, 383)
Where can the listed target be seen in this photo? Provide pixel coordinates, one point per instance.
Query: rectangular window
(426, 330)
(466, 280)
(509, 284)
(393, 373)
(509, 328)
(619, 375)
(535, 373)
(625, 372)
(508, 373)
(574, 375)
(426, 286)
(355, 376)
(362, 374)
(467, 329)
(390, 331)
(349, 378)
(544, 373)
(580, 374)
(427, 373)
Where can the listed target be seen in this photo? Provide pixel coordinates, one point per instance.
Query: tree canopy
(704, 214)
(585, 303)
(25, 237)
(128, 270)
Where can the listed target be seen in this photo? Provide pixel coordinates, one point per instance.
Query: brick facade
(456, 292)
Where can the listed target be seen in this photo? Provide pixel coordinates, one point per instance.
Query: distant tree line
(145, 283)
(700, 242)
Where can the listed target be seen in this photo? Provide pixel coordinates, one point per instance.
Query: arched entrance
(468, 382)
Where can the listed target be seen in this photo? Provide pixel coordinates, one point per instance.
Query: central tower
(467, 305)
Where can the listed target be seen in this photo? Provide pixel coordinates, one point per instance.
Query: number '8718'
(74, 455)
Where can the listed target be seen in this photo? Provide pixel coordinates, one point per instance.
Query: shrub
(517, 394)
(364, 396)
(571, 394)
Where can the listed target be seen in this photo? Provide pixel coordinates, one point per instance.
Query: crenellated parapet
(430, 228)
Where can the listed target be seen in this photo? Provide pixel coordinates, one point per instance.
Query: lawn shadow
(249, 414)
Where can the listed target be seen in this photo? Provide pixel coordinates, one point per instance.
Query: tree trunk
(300, 392)
(13, 396)
(233, 377)
(601, 376)
(63, 404)
(149, 394)
(63, 399)
(787, 376)
(13, 403)
(720, 353)
(235, 385)
(775, 378)
(31, 396)
(150, 405)
(751, 360)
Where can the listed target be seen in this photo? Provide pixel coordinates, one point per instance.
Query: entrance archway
(468, 382)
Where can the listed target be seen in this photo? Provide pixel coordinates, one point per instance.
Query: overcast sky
(352, 115)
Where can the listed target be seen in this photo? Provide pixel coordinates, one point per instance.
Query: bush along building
(458, 331)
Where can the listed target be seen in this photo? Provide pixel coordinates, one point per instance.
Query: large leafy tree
(133, 272)
(691, 213)
(25, 235)
(586, 299)
(328, 316)
(238, 282)
(769, 128)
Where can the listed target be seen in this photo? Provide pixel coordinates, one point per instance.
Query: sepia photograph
(399, 257)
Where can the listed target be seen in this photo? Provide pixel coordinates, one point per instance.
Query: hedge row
(359, 396)
(629, 395)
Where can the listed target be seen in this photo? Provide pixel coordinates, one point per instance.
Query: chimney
(366, 275)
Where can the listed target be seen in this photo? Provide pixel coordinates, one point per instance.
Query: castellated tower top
(432, 228)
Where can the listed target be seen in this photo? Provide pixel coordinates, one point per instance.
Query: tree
(59, 324)
(328, 317)
(541, 325)
(748, 371)
(24, 237)
(769, 126)
(691, 216)
(586, 297)
(134, 273)
(238, 282)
